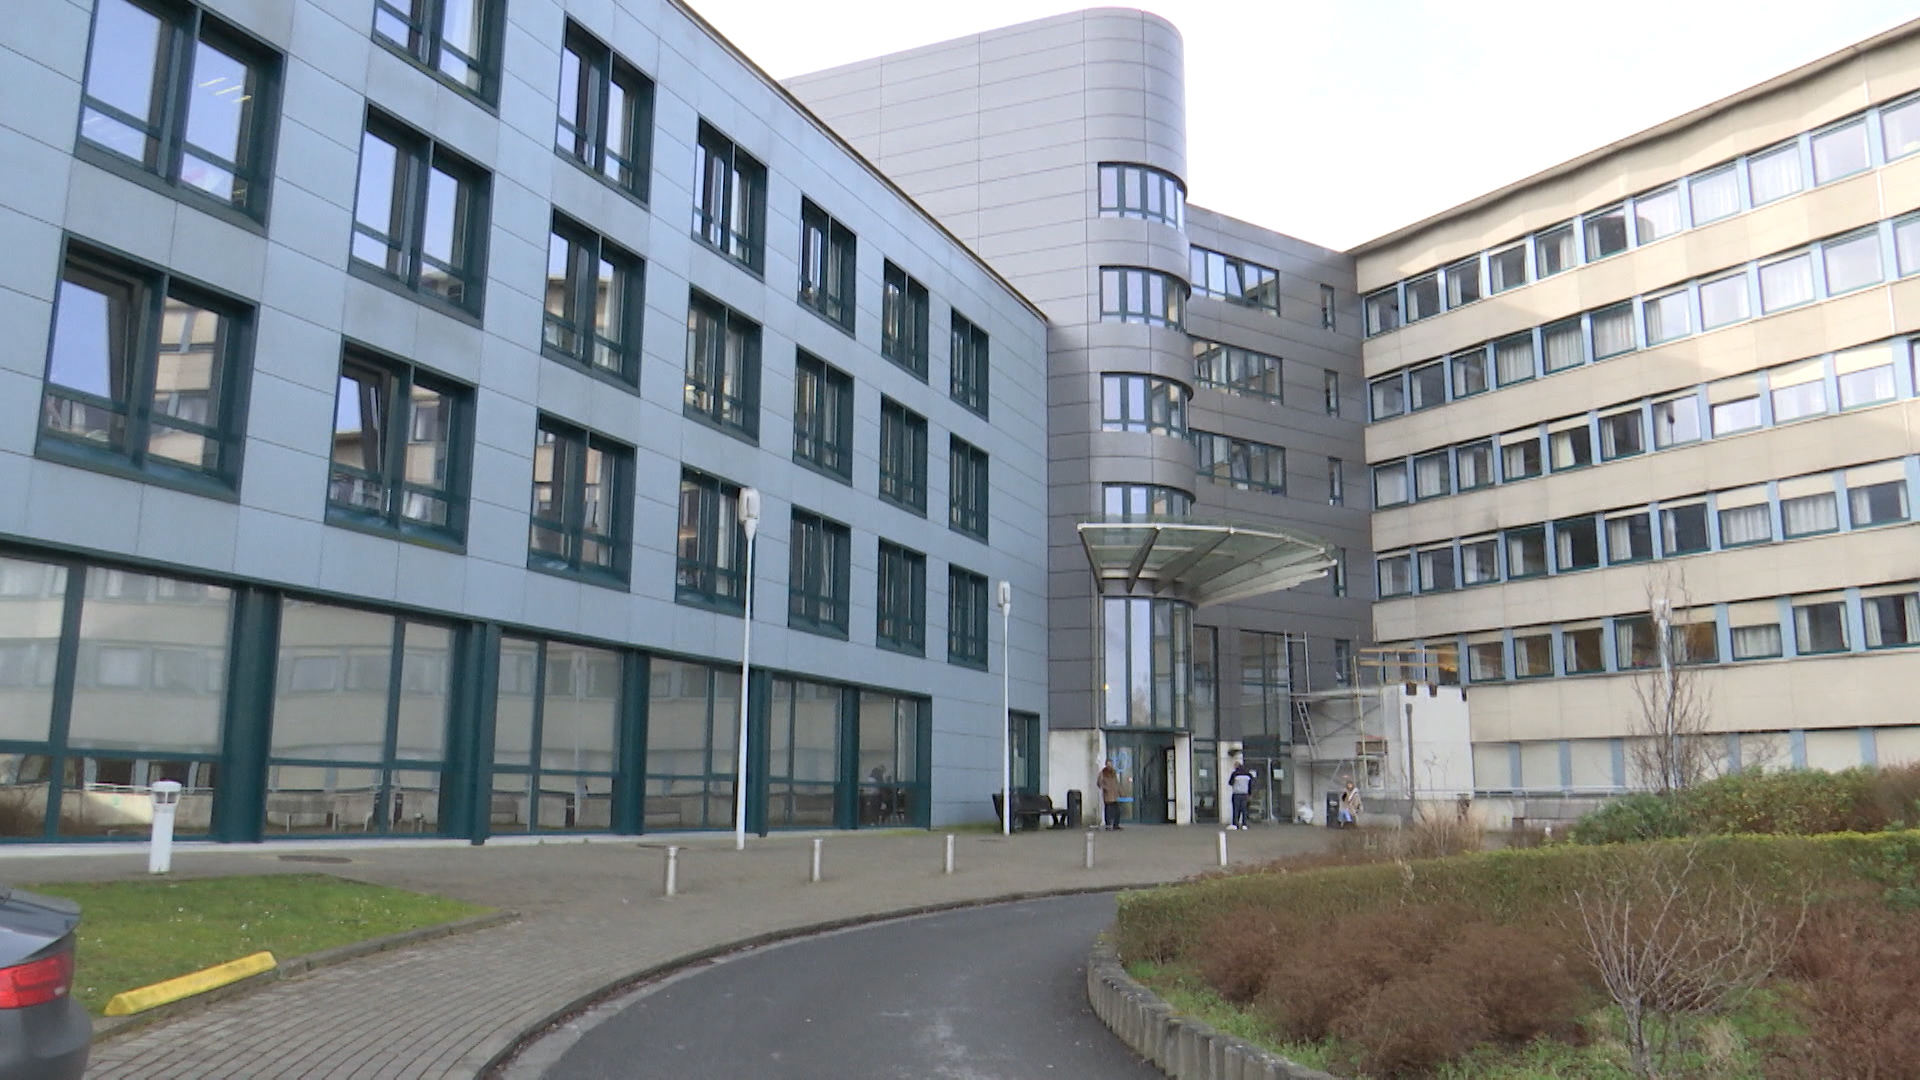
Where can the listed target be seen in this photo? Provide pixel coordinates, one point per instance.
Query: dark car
(44, 1032)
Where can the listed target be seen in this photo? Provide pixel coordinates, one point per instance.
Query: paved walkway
(593, 915)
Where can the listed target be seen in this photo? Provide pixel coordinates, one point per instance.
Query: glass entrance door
(1145, 763)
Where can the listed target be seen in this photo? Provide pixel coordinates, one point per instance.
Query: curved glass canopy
(1201, 562)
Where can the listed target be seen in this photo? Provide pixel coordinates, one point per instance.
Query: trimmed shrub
(1803, 802)
(1632, 818)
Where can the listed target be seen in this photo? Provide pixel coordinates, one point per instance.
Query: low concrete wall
(1184, 1048)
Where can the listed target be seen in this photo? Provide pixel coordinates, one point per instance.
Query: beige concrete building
(1679, 369)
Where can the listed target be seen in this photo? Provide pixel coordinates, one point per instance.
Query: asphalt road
(994, 993)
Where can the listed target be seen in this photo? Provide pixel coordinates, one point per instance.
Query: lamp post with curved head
(1005, 599)
(750, 521)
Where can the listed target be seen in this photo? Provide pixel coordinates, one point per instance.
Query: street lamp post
(750, 521)
(1663, 615)
(1006, 709)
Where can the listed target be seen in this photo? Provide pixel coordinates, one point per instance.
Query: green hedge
(1800, 802)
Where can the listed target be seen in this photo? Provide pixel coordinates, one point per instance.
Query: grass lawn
(134, 933)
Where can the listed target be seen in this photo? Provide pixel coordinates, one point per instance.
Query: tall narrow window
(901, 601)
(401, 443)
(822, 415)
(819, 557)
(966, 618)
(1327, 298)
(903, 321)
(1143, 403)
(967, 489)
(420, 216)
(595, 297)
(457, 38)
(723, 367)
(144, 371)
(176, 92)
(1336, 482)
(729, 199)
(1332, 387)
(827, 251)
(582, 500)
(606, 112)
(1241, 463)
(1133, 295)
(971, 364)
(711, 550)
(903, 456)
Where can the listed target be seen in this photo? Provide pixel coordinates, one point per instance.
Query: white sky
(1337, 121)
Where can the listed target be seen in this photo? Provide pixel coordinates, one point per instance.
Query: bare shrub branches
(1673, 704)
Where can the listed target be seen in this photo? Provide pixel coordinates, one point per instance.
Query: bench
(1029, 809)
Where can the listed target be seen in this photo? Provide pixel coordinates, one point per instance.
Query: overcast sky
(1340, 120)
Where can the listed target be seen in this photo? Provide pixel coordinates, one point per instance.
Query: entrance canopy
(1199, 561)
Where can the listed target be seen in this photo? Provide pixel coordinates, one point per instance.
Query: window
(827, 252)
(1900, 128)
(606, 113)
(903, 456)
(1892, 619)
(1714, 195)
(1339, 572)
(144, 372)
(1723, 301)
(1423, 298)
(1463, 282)
(1327, 308)
(582, 503)
(1852, 262)
(1840, 152)
(711, 550)
(1656, 216)
(730, 199)
(1382, 311)
(1629, 538)
(1808, 515)
(1331, 385)
(401, 440)
(420, 216)
(457, 38)
(901, 601)
(1906, 244)
(1683, 529)
(1507, 268)
(1147, 660)
(1520, 456)
(1819, 626)
(1479, 561)
(1694, 642)
(970, 365)
(1132, 295)
(818, 560)
(1430, 476)
(1563, 345)
(1532, 655)
(967, 506)
(1736, 405)
(1553, 251)
(1390, 484)
(1676, 421)
(1526, 552)
(1336, 482)
(1581, 651)
(1474, 464)
(1389, 396)
(1487, 661)
(1236, 370)
(1755, 630)
(1428, 386)
(1143, 502)
(1143, 403)
(1576, 544)
(1620, 435)
(1342, 662)
(1865, 376)
(1668, 316)
(1571, 448)
(1613, 330)
(1774, 174)
(1140, 191)
(1436, 570)
(1749, 524)
(723, 367)
(822, 415)
(1636, 644)
(1469, 373)
(1798, 390)
(184, 97)
(1606, 233)
(1240, 463)
(1876, 503)
(966, 618)
(1396, 575)
(904, 321)
(595, 298)
(1513, 359)
(1236, 281)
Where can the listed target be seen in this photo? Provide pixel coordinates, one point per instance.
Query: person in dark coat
(1109, 784)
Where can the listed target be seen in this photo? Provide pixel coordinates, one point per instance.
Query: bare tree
(1672, 940)
(1673, 750)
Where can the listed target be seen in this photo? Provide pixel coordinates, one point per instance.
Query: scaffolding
(1343, 733)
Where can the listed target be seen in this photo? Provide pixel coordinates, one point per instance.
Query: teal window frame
(710, 561)
(900, 600)
(829, 252)
(818, 574)
(573, 334)
(616, 149)
(577, 490)
(722, 380)
(822, 416)
(967, 632)
(905, 307)
(968, 489)
(729, 199)
(456, 284)
(971, 364)
(389, 471)
(903, 457)
(423, 25)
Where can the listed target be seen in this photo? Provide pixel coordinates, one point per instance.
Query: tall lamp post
(1663, 616)
(1005, 599)
(750, 521)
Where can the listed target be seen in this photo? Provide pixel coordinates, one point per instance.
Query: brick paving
(593, 916)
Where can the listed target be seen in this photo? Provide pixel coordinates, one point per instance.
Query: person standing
(1240, 783)
(1109, 784)
(1349, 806)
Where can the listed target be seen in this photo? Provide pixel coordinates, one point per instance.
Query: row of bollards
(672, 884)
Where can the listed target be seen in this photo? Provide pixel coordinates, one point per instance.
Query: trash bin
(1075, 802)
(1333, 809)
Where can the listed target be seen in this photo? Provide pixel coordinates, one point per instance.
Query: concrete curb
(1184, 1048)
(110, 1027)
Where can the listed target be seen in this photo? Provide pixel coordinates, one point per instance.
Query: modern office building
(1669, 385)
(383, 387)
(1203, 393)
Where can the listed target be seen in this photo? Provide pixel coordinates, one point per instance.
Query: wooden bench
(1029, 809)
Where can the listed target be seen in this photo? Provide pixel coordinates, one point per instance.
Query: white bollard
(1089, 849)
(166, 801)
(949, 853)
(673, 870)
(816, 859)
(1223, 847)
